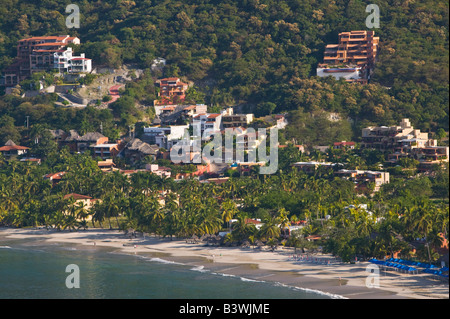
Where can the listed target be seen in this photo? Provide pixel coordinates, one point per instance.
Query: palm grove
(402, 211)
(261, 54)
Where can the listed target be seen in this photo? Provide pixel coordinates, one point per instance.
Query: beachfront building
(46, 53)
(352, 58)
(80, 201)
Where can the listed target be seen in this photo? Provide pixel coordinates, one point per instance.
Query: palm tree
(270, 229)
(241, 229)
(229, 209)
(273, 243)
(82, 212)
(99, 213)
(294, 241)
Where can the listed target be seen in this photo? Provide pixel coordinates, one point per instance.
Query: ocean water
(30, 271)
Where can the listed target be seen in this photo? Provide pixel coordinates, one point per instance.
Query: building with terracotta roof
(211, 122)
(344, 145)
(38, 54)
(86, 201)
(55, 178)
(107, 150)
(171, 91)
(11, 150)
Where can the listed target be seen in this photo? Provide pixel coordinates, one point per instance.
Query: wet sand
(337, 280)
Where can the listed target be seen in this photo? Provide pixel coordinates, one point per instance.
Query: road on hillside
(114, 92)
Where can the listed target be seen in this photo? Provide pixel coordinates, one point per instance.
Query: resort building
(394, 138)
(171, 91)
(207, 122)
(177, 114)
(405, 141)
(81, 201)
(352, 58)
(229, 119)
(429, 156)
(47, 53)
(363, 178)
(106, 150)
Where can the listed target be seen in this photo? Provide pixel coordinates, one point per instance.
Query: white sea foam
(200, 269)
(307, 290)
(163, 261)
(315, 291)
(5, 247)
(234, 276)
(250, 280)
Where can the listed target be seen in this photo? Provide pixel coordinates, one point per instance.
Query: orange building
(171, 91)
(357, 49)
(37, 54)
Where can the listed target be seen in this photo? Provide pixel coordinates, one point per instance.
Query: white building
(207, 122)
(65, 61)
(166, 137)
(350, 74)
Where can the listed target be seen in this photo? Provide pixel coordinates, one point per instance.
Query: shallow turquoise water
(39, 272)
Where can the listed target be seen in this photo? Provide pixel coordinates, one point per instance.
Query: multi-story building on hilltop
(38, 54)
(405, 141)
(353, 58)
(171, 91)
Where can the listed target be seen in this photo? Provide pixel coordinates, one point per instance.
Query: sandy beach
(339, 280)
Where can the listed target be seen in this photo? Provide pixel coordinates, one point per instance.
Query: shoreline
(336, 280)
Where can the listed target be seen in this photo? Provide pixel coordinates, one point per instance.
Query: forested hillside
(256, 51)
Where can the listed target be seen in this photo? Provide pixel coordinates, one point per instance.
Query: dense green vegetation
(262, 55)
(261, 51)
(400, 212)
